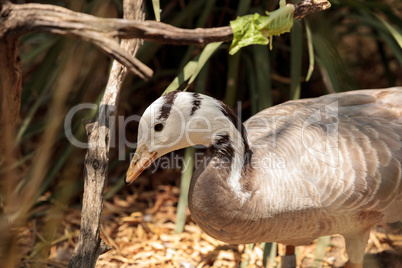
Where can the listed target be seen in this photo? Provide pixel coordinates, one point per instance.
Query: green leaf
(295, 61)
(321, 250)
(192, 68)
(333, 68)
(245, 262)
(310, 52)
(231, 81)
(397, 35)
(243, 6)
(202, 81)
(262, 72)
(256, 29)
(391, 36)
(252, 83)
(269, 253)
(186, 175)
(157, 9)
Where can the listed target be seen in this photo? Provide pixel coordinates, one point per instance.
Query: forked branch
(20, 19)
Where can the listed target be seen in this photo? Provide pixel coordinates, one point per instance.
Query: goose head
(182, 119)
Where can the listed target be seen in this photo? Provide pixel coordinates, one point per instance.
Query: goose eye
(158, 127)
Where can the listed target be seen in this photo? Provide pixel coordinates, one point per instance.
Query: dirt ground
(140, 229)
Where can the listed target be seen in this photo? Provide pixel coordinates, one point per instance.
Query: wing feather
(347, 146)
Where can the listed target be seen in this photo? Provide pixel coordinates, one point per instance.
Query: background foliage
(355, 44)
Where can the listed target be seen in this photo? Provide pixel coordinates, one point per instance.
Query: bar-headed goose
(289, 174)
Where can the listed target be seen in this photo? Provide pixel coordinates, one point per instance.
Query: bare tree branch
(310, 6)
(90, 245)
(25, 18)
(10, 98)
(16, 20)
(20, 19)
(48, 18)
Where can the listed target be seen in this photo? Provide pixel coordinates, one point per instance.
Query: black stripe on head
(196, 103)
(167, 105)
(230, 114)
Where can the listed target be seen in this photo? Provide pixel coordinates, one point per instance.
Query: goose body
(289, 174)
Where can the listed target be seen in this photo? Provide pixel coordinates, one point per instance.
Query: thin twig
(310, 6)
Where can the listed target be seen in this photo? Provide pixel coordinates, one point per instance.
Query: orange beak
(141, 160)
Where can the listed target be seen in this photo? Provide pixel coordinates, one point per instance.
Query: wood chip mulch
(140, 228)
